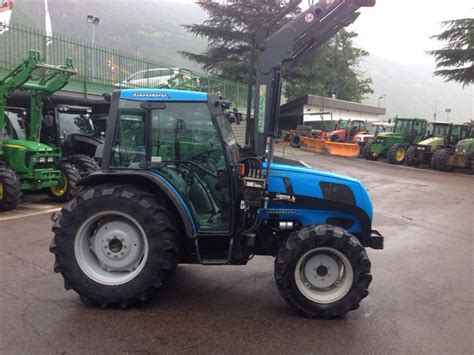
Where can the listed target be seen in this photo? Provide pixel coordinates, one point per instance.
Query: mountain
(411, 90)
(152, 29)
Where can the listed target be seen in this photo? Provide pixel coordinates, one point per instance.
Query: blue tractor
(175, 187)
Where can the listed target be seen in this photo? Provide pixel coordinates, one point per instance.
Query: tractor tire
(10, 192)
(397, 154)
(312, 290)
(412, 157)
(69, 188)
(434, 157)
(368, 154)
(95, 229)
(295, 141)
(442, 158)
(84, 164)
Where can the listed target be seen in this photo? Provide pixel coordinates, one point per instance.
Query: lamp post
(380, 98)
(94, 21)
(448, 111)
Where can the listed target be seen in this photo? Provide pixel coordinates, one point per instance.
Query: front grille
(44, 166)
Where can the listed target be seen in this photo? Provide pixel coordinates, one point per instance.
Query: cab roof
(163, 95)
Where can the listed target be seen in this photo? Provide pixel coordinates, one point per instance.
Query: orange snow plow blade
(333, 148)
(313, 144)
(343, 149)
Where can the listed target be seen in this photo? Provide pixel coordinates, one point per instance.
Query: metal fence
(102, 65)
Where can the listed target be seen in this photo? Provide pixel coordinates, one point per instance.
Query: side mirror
(234, 117)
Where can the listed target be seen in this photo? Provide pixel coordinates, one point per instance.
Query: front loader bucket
(313, 144)
(343, 149)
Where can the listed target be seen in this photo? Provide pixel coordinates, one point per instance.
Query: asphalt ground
(420, 301)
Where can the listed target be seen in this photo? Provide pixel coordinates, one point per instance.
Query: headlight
(42, 160)
(35, 159)
(50, 160)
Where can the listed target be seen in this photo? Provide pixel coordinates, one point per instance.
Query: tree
(228, 31)
(333, 69)
(455, 61)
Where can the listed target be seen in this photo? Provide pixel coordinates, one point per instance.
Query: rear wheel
(115, 245)
(397, 154)
(368, 154)
(84, 163)
(442, 160)
(295, 141)
(412, 156)
(68, 183)
(10, 192)
(323, 271)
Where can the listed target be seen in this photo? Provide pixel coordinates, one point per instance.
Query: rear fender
(152, 182)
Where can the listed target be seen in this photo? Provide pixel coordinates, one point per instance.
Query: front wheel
(397, 154)
(114, 245)
(368, 154)
(323, 271)
(84, 163)
(10, 192)
(67, 186)
(295, 141)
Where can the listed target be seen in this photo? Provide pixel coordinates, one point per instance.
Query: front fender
(150, 181)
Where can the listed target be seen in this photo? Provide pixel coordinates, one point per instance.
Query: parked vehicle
(151, 78)
(394, 145)
(443, 134)
(461, 155)
(373, 130)
(347, 130)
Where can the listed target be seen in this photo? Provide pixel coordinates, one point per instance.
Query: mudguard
(152, 181)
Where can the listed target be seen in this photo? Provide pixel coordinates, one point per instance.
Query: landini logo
(150, 94)
(283, 197)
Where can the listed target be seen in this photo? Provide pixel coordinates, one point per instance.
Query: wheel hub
(321, 271)
(117, 246)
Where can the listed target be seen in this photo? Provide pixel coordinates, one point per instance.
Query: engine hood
(433, 141)
(307, 182)
(27, 146)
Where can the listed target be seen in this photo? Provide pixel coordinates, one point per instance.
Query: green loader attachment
(25, 163)
(394, 145)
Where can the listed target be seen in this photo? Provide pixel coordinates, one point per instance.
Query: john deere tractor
(25, 163)
(175, 187)
(459, 156)
(444, 134)
(394, 145)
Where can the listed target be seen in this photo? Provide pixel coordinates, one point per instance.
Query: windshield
(14, 124)
(440, 130)
(403, 126)
(343, 124)
(71, 123)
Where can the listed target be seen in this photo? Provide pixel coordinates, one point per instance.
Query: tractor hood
(389, 135)
(465, 147)
(27, 146)
(302, 183)
(432, 142)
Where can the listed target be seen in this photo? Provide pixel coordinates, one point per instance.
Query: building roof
(328, 103)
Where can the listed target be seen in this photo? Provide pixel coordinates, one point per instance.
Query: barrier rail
(102, 67)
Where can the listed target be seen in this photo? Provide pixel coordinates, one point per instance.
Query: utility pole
(94, 21)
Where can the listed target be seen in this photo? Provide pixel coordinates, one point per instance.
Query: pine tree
(455, 61)
(228, 31)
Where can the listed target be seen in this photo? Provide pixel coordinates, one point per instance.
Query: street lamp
(380, 98)
(448, 111)
(94, 21)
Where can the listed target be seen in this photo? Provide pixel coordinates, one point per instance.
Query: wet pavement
(421, 297)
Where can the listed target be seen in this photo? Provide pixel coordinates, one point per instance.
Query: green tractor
(25, 163)
(459, 156)
(394, 145)
(444, 135)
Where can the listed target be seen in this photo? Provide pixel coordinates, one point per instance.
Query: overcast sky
(400, 30)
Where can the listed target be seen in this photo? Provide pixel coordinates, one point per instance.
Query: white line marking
(305, 164)
(28, 214)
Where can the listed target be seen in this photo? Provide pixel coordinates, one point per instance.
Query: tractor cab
(14, 124)
(71, 128)
(347, 130)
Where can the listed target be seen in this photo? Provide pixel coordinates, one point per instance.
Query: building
(323, 112)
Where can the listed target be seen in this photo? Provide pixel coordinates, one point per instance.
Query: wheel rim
(61, 188)
(400, 154)
(111, 248)
(1, 191)
(324, 275)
